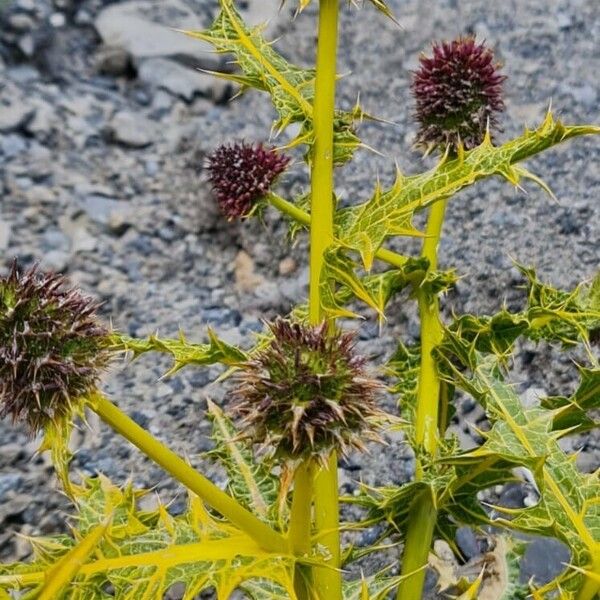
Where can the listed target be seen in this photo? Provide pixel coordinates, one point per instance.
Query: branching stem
(264, 535)
(423, 515)
(388, 256)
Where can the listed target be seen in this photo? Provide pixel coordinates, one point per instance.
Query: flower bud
(458, 93)
(52, 348)
(307, 393)
(243, 173)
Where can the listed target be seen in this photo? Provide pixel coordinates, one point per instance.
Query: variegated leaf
(561, 316)
(249, 481)
(140, 555)
(365, 227)
(575, 413)
(291, 88)
(341, 284)
(181, 351)
(569, 505)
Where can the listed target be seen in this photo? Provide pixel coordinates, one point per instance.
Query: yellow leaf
(69, 565)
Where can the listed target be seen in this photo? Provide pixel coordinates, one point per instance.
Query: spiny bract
(307, 393)
(52, 347)
(458, 94)
(241, 174)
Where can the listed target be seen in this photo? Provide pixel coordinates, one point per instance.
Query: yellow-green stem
(301, 523)
(301, 513)
(302, 217)
(327, 581)
(421, 524)
(422, 516)
(264, 535)
(428, 394)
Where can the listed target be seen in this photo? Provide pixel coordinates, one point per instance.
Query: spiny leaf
(404, 366)
(378, 4)
(566, 317)
(560, 316)
(340, 269)
(572, 413)
(568, 508)
(182, 352)
(341, 284)
(67, 568)
(249, 481)
(365, 227)
(291, 88)
(491, 334)
(141, 554)
(375, 587)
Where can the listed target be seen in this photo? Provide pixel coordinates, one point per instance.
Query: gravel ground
(102, 137)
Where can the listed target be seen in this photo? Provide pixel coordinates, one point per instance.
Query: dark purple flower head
(243, 173)
(307, 393)
(458, 92)
(52, 348)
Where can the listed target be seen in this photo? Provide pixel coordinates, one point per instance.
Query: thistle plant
(301, 396)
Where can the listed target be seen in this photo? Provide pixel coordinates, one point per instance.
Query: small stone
(14, 116)
(112, 60)
(99, 208)
(182, 81)
(246, 280)
(12, 145)
(467, 542)
(21, 22)
(76, 230)
(144, 29)
(57, 19)
(43, 119)
(119, 222)
(26, 5)
(585, 95)
(287, 266)
(131, 130)
(23, 74)
(531, 397)
(56, 260)
(40, 194)
(5, 230)
(27, 45)
(543, 560)
(9, 482)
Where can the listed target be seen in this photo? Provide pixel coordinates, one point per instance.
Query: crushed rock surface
(103, 132)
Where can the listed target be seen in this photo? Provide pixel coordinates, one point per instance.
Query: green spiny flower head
(307, 393)
(52, 347)
(243, 173)
(458, 93)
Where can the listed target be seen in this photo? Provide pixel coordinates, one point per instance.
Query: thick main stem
(301, 513)
(266, 537)
(301, 523)
(422, 516)
(327, 581)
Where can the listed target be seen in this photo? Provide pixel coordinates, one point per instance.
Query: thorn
(487, 138)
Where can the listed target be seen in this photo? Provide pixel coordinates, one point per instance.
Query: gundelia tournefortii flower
(307, 393)
(458, 93)
(241, 174)
(52, 347)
